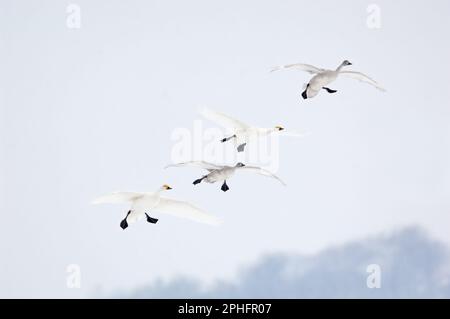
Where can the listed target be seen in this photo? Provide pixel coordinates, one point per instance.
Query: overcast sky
(90, 110)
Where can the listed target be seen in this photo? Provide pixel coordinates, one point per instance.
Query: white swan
(242, 133)
(218, 173)
(322, 77)
(143, 203)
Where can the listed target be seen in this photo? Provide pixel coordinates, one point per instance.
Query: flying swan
(144, 203)
(322, 77)
(218, 173)
(243, 133)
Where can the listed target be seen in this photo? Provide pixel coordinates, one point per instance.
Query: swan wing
(261, 171)
(185, 210)
(223, 120)
(363, 78)
(300, 66)
(200, 164)
(117, 197)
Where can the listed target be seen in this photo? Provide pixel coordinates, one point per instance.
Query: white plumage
(241, 132)
(323, 77)
(144, 203)
(219, 173)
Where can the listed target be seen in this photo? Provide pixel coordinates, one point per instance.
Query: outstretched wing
(363, 78)
(299, 66)
(261, 171)
(117, 197)
(223, 120)
(185, 210)
(200, 164)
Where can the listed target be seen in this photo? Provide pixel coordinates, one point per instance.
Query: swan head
(346, 62)
(240, 164)
(279, 128)
(165, 187)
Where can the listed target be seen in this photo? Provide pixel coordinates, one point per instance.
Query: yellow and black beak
(167, 187)
(279, 128)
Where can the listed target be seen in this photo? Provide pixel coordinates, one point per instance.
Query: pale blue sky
(91, 110)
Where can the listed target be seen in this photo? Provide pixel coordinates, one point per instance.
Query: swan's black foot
(304, 95)
(329, 90)
(151, 220)
(123, 223)
(198, 181)
(224, 186)
(226, 139)
(241, 147)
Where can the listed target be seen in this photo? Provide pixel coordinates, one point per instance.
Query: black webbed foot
(151, 220)
(241, 147)
(225, 186)
(304, 94)
(329, 90)
(123, 223)
(226, 139)
(198, 181)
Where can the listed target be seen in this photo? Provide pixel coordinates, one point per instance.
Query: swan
(218, 173)
(322, 77)
(242, 133)
(143, 203)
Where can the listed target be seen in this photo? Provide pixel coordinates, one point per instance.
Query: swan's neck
(264, 131)
(340, 67)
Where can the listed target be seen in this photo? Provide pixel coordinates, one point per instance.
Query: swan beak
(349, 63)
(167, 187)
(279, 128)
